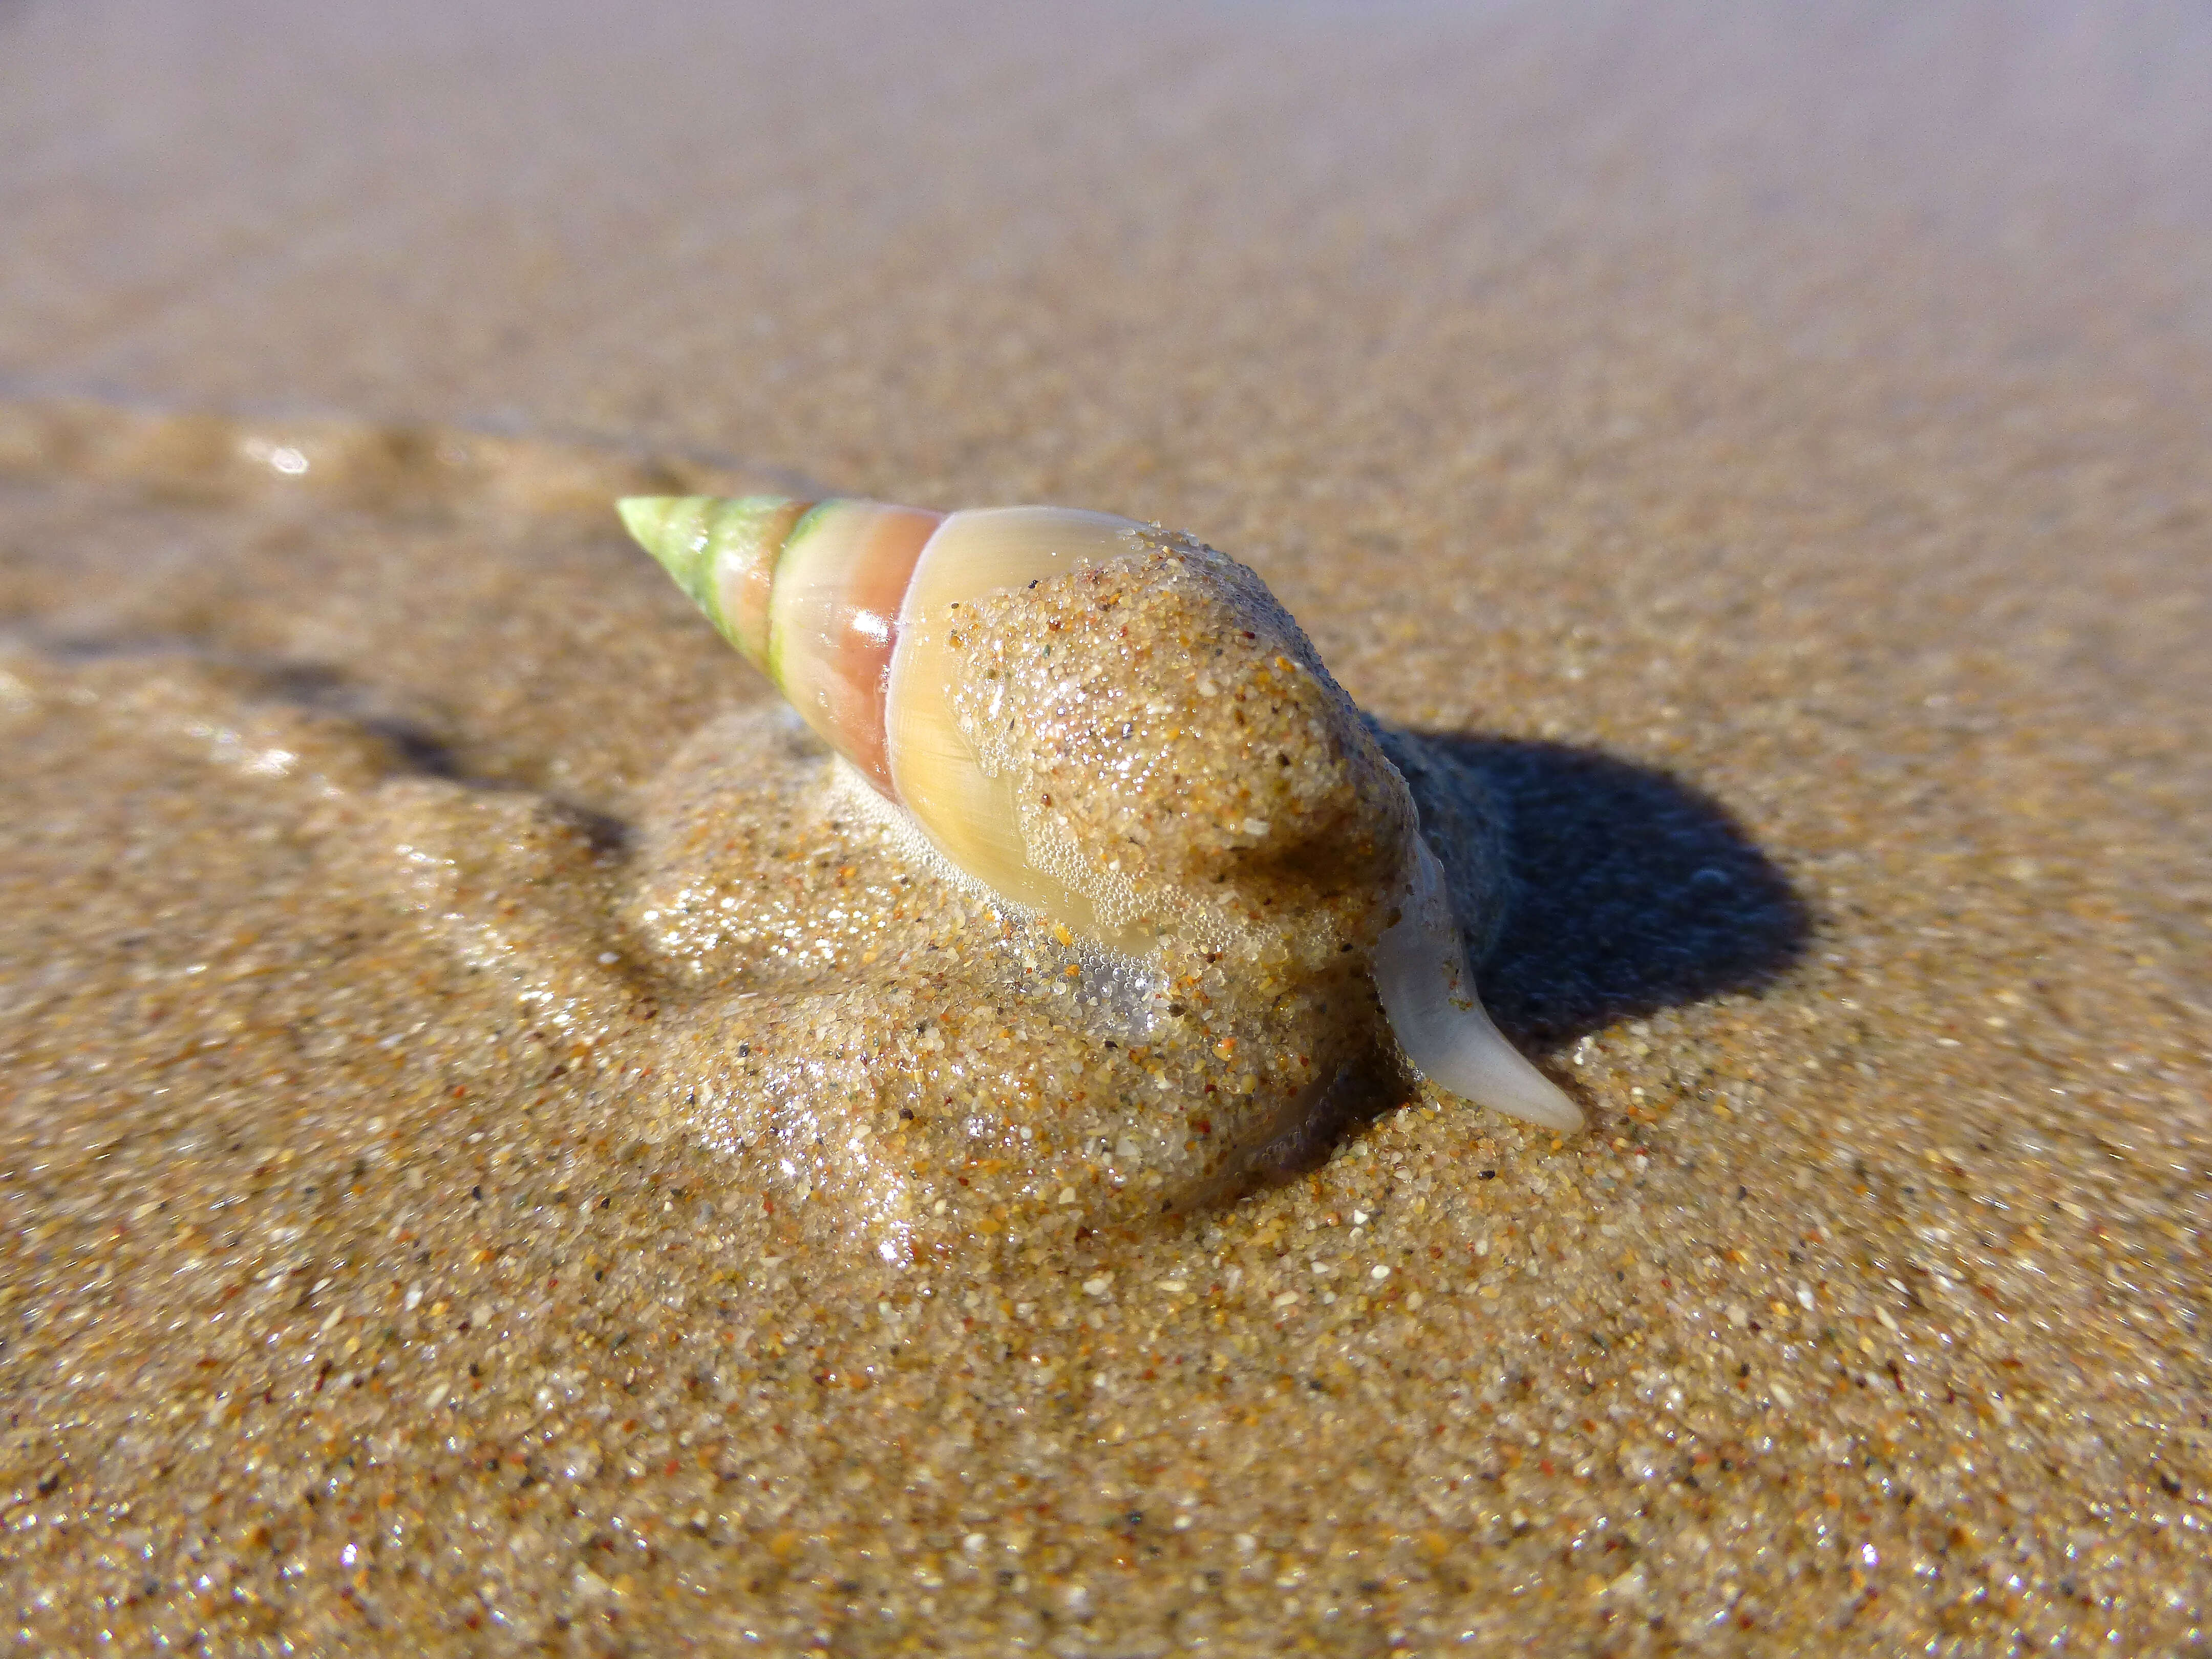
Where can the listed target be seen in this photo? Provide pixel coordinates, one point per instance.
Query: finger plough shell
(1115, 740)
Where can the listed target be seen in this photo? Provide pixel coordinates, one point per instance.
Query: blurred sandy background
(1794, 416)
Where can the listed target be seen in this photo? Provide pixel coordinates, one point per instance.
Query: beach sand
(1771, 450)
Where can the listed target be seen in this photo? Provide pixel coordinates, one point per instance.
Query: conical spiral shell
(853, 608)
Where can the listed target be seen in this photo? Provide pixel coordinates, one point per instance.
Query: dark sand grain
(1774, 452)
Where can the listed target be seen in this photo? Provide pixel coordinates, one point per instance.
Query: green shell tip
(672, 529)
(695, 537)
(652, 519)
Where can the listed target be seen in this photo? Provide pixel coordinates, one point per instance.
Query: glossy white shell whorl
(850, 608)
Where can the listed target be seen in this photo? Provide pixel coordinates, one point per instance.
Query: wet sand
(1774, 458)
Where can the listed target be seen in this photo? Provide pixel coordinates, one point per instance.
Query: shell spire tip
(666, 527)
(700, 539)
